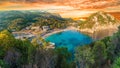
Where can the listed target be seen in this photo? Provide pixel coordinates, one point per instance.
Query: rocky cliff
(100, 25)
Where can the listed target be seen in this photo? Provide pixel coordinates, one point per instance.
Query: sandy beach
(59, 30)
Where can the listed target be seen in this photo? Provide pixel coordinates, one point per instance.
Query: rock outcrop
(100, 25)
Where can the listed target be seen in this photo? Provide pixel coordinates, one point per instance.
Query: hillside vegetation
(99, 19)
(17, 20)
(15, 53)
(100, 25)
(104, 53)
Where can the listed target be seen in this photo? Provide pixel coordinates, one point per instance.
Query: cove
(69, 39)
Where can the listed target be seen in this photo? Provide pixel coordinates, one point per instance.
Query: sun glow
(65, 8)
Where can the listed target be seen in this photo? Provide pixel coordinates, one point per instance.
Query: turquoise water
(69, 39)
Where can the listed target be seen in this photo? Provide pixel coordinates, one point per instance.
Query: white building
(35, 27)
(45, 28)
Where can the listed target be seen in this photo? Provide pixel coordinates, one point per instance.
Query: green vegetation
(51, 22)
(15, 53)
(101, 18)
(84, 57)
(63, 58)
(116, 63)
(103, 53)
(17, 20)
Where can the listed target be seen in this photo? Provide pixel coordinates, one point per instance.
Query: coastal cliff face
(100, 25)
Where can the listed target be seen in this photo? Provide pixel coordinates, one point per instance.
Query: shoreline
(94, 35)
(59, 30)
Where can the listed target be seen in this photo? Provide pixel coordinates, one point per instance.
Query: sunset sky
(66, 8)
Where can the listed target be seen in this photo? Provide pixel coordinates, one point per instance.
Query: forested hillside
(15, 53)
(104, 53)
(17, 20)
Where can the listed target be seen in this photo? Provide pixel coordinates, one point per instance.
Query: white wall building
(45, 28)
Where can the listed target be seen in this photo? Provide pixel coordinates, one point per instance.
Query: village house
(22, 36)
(45, 28)
(27, 28)
(35, 28)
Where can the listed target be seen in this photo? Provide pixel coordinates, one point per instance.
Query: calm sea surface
(69, 39)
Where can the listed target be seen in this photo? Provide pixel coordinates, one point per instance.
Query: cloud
(66, 8)
(77, 4)
(92, 4)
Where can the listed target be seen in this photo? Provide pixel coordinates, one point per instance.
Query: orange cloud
(66, 8)
(78, 4)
